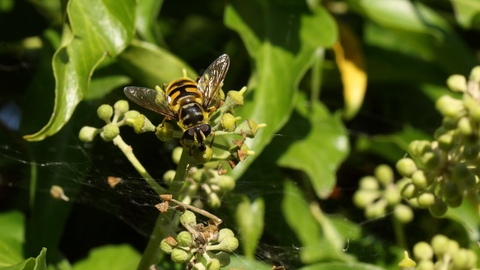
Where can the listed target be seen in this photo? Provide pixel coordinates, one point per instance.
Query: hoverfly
(186, 101)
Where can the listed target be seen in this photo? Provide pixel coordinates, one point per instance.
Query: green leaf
(250, 220)
(101, 86)
(41, 260)
(240, 262)
(342, 266)
(9, 254)
(12, 230)
(281, 58)
(110, 257)
(320, 153)
(465, 12)
(414, 28)
(467, 216)
(147, 14)
(152, 65)
(314, 232)
(97, 29)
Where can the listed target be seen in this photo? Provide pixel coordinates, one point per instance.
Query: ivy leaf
(250, 220)
(321, 151)
(281, 57)
(96, 30)
(110, 257)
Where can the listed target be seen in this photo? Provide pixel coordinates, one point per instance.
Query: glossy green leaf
(320, 239)
(467, 215)
(240, 262)
(465, 12)
(96, 30)
(280, 57)
(152, 65)
(250, 220)
(414, 28)
(41, 260)
(101, 86)
(9, 254)
(110, 257)
(147, 26)
(342, 266)
(320, 153)
(12, 230)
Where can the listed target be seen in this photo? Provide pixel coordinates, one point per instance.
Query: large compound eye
(189, 135)
(206, 129)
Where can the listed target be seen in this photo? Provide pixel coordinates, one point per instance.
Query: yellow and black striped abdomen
(181, 92)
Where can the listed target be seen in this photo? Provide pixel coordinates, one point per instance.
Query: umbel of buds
(199, 241)
(441, 173)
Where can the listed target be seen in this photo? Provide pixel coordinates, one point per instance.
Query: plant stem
(163, 226)
(399, 232)
(128, 152)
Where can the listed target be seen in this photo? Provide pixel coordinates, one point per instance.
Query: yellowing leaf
(350, 62)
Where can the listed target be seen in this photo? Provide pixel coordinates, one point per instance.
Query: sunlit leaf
(9, 255)
(12, 229)
(416, 29)
(240, 262)
(96, 30)
(152, 65)
(250, 220)
(350, 62)
(466, 12)
(280, 57)
(320, 153)
(101, 86)
(147, 14)
(110, 257)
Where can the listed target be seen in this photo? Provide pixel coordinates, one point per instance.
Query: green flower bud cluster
(379, 194)
(208, 180)
(441, 173)
(199, 241)
(448, 254)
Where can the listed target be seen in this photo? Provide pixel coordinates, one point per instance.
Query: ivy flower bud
(419, 179)
(229, 121)
(249, 127)
(179, 255)
(409, 191)
(202, 157)
(403, 213)
(184, 239)
(120, 107)
(423, 251)
(406, 167)
(364, 197)
(213, 200)
(224, 233)
(141, 124)
(450, 123)
(87, 134)
(445, 142)
(226, 183)
(213, 264)
(235, 98)
(166, 247)
(425, 265)
(392, 195)
(475, 74)
(431, 160)
(465, 126)
(460, 259)
(449, 106)
(131, 115)
(110, 131)
(228, 244)
(426, 199)
(475, 113)
(168, 176)
(457, 83)
(439, 244)
(188, 217)
(384, 174)
(177, 154)
(439, 208)
(369, 183)
(105, 112)
(164, 131)
(460, 172)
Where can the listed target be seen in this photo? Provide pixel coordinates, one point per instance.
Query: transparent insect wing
(150, 99)
(212, 80)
